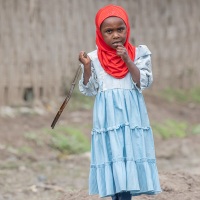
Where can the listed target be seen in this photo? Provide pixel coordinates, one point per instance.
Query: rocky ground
(31, 169)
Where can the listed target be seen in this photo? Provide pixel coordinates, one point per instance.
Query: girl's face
(114, 31)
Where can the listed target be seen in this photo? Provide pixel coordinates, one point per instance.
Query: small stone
(42, 178)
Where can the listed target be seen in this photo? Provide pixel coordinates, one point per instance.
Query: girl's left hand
(123, 53)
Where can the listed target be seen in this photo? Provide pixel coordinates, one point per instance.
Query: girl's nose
(115, 35)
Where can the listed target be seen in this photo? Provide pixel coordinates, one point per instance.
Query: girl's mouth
(116, 44)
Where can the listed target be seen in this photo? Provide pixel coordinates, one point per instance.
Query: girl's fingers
(84, 58)
(121, 48)
(82, 55)
(121, 52)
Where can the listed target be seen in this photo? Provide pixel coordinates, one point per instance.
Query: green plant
(195, 94)
(34, 138)
(68, 140)
(170, 128)
(196, 129)
(192, 95)
(25, 150)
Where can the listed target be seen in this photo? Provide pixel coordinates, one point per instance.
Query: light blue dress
(122, 145)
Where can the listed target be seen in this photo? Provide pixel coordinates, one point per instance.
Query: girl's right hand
(84, 58)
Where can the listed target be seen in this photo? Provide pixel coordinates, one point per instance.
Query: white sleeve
(91, 88)
(143, 62)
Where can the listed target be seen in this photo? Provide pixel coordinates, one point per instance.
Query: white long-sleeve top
(101, 81)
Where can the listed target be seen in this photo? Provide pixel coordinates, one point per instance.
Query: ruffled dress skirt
(122, 145)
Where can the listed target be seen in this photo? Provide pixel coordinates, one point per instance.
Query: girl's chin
(114, 46)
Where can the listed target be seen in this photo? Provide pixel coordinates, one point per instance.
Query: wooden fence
(40, 41)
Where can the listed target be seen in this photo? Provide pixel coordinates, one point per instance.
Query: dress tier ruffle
(122, 154)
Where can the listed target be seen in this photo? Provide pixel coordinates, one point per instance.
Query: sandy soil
(46, 174)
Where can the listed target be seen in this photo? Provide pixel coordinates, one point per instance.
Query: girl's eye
(120, 29)
(109, 31)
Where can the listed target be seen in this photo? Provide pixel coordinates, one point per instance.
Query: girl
(123, 162)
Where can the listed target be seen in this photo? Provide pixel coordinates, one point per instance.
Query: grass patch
(11, 165)
(170, 129)
(25, 150)
(175, 129)
(65, 139)
(171, 95)
(195, 94)
(68, 140)
(34, 138)
(196, 129)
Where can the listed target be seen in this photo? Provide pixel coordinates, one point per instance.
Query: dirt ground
(30, 170)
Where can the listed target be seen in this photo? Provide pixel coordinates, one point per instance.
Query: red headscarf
(110, 61)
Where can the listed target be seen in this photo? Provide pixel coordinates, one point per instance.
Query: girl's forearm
(87, 74)
(135, 72)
